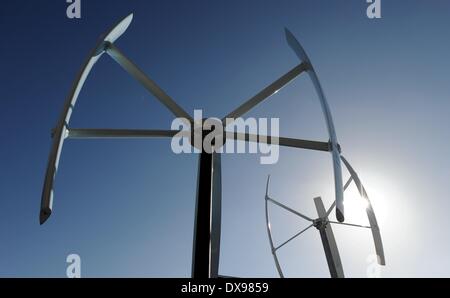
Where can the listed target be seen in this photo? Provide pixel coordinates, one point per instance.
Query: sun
(379, 190)
(355, 207)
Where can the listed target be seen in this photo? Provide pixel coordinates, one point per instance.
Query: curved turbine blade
(269, 232)
(267, 186)
(329, 243)
(370, 214)
(339, 192)
(60, 132)
(118, 30)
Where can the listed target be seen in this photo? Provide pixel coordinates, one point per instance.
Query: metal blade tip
(267, 186)
(44, 215)
(340, 215)
(287, 32)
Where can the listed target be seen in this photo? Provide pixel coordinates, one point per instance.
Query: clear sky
(127, 206)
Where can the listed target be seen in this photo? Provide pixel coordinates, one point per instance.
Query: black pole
(206, 243)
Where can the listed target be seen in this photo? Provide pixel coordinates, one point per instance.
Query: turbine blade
(370, 214)
(266, 92)
(60, 132)
(148, 84)
(296, 46)
(119, 29)
(339, 192)
(269, 234)
(267, 186)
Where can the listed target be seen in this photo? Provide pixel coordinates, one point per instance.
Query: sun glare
(379, 192)
(355, 207)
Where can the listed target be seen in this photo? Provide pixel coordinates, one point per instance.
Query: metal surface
(289, 209)
(206, 243)
(60, 132)
(349, 224)
(148, 83)
(347, 184)
(87, 133)
(323, 224)
(267, 92)
(269, 231)
(207, 229)
(370, 214)
(216, 213)
(293, 237)
(339, 192)
(329, 242)
(281, 141)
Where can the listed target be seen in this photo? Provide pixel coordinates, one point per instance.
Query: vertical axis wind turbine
(207, 229)
(323, 224)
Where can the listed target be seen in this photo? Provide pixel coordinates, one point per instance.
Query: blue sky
(127, 206)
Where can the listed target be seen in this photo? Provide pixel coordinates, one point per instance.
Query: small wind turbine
(323, 224)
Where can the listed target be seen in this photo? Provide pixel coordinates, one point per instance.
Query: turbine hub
(320, 223)
(207, 134)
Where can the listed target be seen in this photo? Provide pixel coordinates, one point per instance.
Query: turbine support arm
(289, 209)
(293, 237)
(267, 92)
(87, 133)
(349, 224)
(148, 83)
(282, 141)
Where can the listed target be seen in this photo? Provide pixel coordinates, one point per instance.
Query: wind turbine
(207, 229)
(324, 225)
